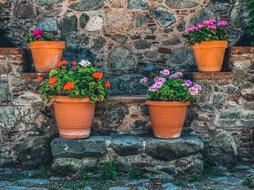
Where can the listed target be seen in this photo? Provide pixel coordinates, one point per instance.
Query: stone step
(167, 157)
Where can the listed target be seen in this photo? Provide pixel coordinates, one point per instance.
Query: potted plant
(46, 52)
(209, 42)
(169, 97)
(74, 88)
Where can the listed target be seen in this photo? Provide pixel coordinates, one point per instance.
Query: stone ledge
(136, 99)
(127, 145)
(32, 76)
(11, 51)
(212, 75)
(241, 49)
(164, 157)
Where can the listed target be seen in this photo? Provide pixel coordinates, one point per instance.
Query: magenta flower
(213, 27)
(37, 32)
(165, 72)
(209, 22)
(200, 25)
(222, 23)
(144, 80)
(39, 36)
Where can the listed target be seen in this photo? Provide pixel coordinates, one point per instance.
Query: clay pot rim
(166, 103)
(67, 99)
(211, 44)
(47, 44)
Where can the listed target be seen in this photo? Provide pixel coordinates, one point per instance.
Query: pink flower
(37, 32)
(222, 23)
(39, 36)
(176, 75)
(193, 91)
(209, 22)
(200, 25)
(191, 29)
(144, 80)
(212, 27)
(165, 72)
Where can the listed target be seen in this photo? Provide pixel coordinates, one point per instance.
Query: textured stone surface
(25, 131)
(47, 2)
(49, 25)
(4, 90)
(121, 59)
(84, 18)
(129, 150)
(137, 4)
(87, 5)
(222, 107)
(69, 24)
(181, 4)
(163, 16)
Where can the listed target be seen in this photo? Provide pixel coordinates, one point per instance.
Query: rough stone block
(4, 90)
(164, 156)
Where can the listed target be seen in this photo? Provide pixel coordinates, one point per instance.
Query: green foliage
(207, 30)
(250, 8)
(110, 170)
(171, 88)
(75, 81)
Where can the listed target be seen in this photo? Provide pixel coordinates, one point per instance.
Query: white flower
(84, 63)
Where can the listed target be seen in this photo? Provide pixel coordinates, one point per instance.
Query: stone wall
(223, 117)
(25, 126)
(225, 112)
(126, 38)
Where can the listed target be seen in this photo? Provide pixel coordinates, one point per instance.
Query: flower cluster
(171, 87)
(39, 35)
(75, 81)
(207, 30)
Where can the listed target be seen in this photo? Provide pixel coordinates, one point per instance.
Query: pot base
(74, 133)
(169, 135)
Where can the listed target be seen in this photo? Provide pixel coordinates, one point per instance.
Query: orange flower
(53, 80)
(107, 84)
(98, 75)
(74, 63)
(61, 63)
(69, 86)
(40, 79)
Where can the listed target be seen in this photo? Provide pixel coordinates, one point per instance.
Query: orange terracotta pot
(209, 55)
(167, 118)
(46, 54)
(74, 116)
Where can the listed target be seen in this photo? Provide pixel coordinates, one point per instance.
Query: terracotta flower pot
(46, 54)
(209, 55)
(74, 117)
(167, 118)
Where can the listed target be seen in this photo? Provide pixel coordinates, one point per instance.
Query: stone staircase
(156, 157)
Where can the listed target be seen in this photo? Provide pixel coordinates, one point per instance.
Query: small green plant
(76, 80)
(110, 170)
(40, 35)
(171, 87)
